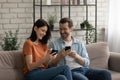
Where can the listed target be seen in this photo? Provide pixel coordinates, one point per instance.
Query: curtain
(113, 33)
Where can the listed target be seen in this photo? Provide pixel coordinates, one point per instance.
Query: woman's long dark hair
(40, 23)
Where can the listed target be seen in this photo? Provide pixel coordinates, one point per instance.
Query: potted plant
(51, 21)
(86, 24)
(10, 41)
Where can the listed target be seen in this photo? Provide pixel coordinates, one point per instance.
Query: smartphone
(54, 52)
(67, 47)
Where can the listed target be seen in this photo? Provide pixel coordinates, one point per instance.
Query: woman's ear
(35, 28)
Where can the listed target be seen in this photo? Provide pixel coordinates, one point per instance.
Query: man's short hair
(64, 20)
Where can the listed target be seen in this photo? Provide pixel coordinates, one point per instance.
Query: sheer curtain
(113, 33)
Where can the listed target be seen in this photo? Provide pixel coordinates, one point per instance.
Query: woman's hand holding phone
(54, 52)
(48, 55)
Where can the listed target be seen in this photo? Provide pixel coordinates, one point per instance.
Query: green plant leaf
(10, 41)
(51, 19)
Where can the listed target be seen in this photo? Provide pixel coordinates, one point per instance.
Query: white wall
(16, 14)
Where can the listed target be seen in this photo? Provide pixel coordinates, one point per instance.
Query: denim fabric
(84, 73)
(60, 77)
(54, 73)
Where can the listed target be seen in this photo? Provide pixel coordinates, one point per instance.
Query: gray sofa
(11, 62)
(102, 58)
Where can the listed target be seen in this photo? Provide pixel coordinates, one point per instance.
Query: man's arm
(61, 54)
(57, 57)
(77, 57)
(83, 53)
(80, 54)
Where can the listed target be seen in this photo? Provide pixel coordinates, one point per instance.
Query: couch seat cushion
(11, 63)
(115, 75)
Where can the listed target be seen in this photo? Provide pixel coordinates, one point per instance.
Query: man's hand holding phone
(67, 48)
(65, 51)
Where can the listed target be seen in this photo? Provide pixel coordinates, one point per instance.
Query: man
(76, 57)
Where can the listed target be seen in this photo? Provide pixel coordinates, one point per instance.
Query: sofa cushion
(11, 74)
(11, 65)
(115, 75)
(99, 54)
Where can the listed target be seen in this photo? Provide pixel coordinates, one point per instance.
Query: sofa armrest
(114, 61)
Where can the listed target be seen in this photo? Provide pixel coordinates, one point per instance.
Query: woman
(37, 56)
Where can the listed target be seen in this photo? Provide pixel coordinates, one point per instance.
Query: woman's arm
(32, 65)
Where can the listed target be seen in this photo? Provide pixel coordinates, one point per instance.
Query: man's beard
(64, 36)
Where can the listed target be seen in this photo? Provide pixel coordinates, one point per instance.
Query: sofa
(11, 62)
(102, 58)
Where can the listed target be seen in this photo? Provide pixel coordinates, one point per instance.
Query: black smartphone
(67, 47)
(54, 52)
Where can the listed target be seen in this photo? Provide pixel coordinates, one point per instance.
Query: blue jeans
(54, 73)
(84, 73)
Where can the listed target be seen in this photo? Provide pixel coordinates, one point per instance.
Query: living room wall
(18, 14)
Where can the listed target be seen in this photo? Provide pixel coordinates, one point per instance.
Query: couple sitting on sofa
(71, 63)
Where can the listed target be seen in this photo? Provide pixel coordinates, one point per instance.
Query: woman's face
(40, 32)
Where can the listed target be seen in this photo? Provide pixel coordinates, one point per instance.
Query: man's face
(65, 30)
